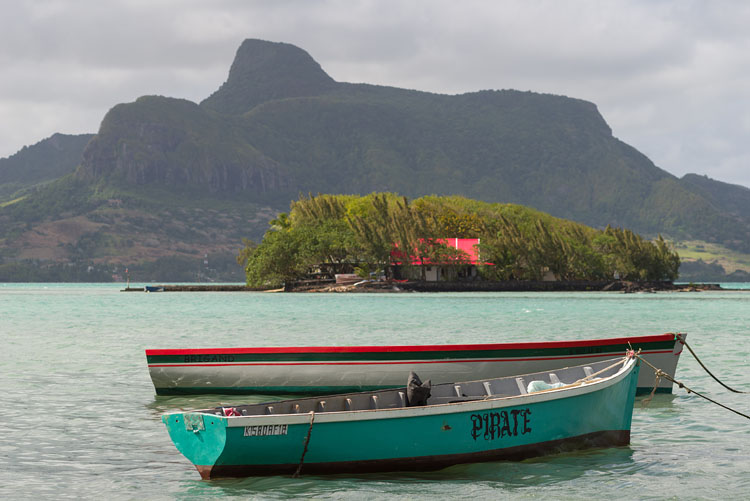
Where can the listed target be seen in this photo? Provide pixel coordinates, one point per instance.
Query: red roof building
(469, 257)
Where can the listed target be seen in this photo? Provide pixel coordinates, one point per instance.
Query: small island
(383, 241)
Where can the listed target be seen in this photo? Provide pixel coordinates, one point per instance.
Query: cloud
(671, 77)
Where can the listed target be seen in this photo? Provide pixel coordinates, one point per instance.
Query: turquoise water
(80, 418)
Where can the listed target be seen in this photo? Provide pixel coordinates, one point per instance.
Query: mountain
(266, 71)
(45, 161)
(730, 198)
(280, 126)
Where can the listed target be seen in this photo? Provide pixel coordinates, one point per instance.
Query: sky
(670, 77)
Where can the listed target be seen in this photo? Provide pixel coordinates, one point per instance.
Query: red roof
(467, 246)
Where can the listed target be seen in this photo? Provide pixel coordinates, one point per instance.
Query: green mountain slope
(731, 198)
(45, 161)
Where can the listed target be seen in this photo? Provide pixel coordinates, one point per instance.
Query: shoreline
(508, 286)
(622, 286)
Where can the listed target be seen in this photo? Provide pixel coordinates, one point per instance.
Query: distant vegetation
(712, 271)
(41, 163)
(36, 271)
(215, 268)
(336, 233)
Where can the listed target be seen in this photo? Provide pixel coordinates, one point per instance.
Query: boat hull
(599, 439)
(410, 439)
(328, 370)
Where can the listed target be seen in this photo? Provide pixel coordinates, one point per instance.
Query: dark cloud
(671, 77)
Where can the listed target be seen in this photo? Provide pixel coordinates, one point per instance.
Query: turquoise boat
(417, 427)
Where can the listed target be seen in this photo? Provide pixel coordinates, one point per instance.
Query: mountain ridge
(280, 126)
(45, 161)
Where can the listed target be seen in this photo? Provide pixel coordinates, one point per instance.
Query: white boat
(340, 369)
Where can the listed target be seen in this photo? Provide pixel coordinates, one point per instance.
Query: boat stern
(200, 437)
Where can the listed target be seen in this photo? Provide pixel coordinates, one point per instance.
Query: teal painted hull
(409, 439)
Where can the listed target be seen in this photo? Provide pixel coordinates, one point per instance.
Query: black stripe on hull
(609, 438)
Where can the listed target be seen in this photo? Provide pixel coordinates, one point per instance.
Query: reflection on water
(558, 470)
(178, 403)
(658, 401)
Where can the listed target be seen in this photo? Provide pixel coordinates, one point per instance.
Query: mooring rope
(648, 399)
(681, 339)
(592, 376)
(307, 441)
(576, 383)
(661, 374)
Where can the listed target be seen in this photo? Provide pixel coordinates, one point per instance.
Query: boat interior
(416, 393)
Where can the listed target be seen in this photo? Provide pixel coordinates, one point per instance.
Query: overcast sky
(671, 77)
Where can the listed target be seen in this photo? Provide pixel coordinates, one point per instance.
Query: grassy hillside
(158, 234)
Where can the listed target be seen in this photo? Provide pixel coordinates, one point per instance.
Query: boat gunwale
(653, 338)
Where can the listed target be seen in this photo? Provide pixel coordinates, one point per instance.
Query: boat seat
(487, 388)
(553, 378)
(521, 386)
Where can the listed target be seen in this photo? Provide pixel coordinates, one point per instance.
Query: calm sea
(80, 419)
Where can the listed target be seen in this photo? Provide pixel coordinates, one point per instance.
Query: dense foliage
(330, 234)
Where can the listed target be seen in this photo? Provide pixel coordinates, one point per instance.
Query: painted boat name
(265, 430)
(492, 425)
(209, 358)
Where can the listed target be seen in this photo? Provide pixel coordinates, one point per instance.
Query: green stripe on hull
(645, 390)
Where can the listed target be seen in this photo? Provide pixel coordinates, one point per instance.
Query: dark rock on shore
(509, 286)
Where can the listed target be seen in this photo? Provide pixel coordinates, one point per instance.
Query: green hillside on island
(329, 234)
(167, 184)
